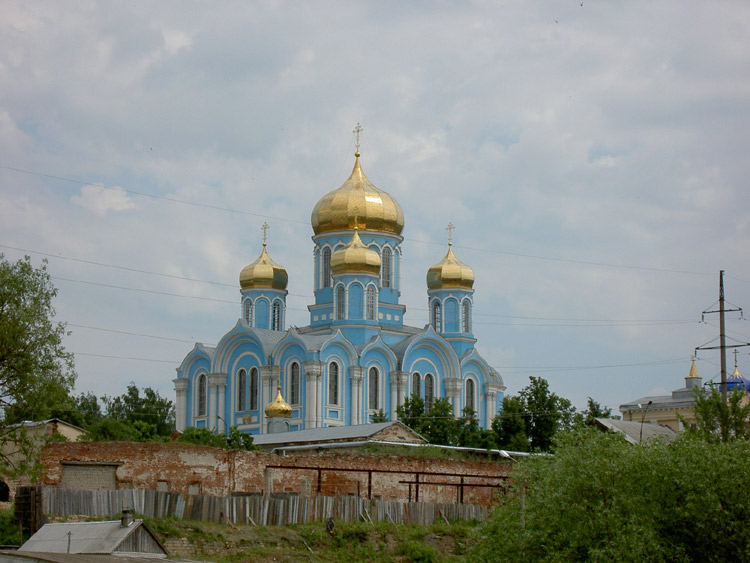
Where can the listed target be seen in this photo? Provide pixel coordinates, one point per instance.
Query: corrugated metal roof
(327, 434)
(635, 431)
(85, 537)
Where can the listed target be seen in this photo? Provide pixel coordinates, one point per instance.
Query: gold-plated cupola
(357, 203)
(355, 257)
(263, 273)
(450, 272)
(278, 408)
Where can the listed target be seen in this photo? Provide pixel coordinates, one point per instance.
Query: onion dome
(357, 203)
(450, 272)
(736, 380)
(693, 371)
(355, 257)
(278, 408)
(263, 273)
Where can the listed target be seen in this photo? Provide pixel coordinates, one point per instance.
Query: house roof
(84, 537)
(331, 434)
(637, 432)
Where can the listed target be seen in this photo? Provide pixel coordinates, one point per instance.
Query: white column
(221, 391)
(180, 415)
(269, 377)
(313, 370)
(490, 398)
(453, 392)
(214, 379)
(355, 376)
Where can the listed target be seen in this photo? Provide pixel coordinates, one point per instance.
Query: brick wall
(189, 469)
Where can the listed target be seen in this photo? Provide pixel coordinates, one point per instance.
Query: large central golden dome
(357, 203)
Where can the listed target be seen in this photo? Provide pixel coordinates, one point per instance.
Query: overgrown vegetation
(599, 498)
(352, 541)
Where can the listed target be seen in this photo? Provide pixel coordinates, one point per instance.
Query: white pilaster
(180, 387)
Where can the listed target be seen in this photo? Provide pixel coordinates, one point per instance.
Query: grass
(352, 541)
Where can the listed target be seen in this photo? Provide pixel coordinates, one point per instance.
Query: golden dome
(450, 272)
(263, 273)
(357, 203)
(355, 257)
(278, 408)
(694, 372)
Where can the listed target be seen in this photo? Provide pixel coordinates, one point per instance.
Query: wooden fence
(276, 509)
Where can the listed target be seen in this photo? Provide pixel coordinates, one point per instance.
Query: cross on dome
(265, 228)
(357, 130)
(450, 229)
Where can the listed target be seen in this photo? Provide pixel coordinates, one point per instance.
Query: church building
(356, 357)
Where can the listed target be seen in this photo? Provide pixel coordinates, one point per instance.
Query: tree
(601, 499)
(236, 440)
(380, 416)
(595, 410)
(149, 408)
(510, 425)
(36, 373)
(717, 421)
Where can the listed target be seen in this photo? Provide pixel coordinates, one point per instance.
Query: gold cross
(450, 228)
(265, 228)
(357, 130)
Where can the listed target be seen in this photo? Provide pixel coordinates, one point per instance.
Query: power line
(173, 362)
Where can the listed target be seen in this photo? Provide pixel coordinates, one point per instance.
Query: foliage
(595, 410)
(10, 533)
(380, 416)
(149, 407)
(601, 499)
(437, 425)
(717, 421)
(529, 421)
(36, 373)
(236, 440)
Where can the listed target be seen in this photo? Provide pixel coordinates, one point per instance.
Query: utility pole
(722, 336)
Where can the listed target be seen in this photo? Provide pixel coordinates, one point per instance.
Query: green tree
(717, 421)
(236, 440)
(601, 499)
(36, 373)
(595, 410)
(546, 413)
(509, 425)
(380, 416)
(147, 407)
(470, 435)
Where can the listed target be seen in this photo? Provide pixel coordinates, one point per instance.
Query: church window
(466, 311)
(326, 267)
(249, 312)
(469, 402)
(253, 389)
(373, 389)
(340, 303)
(416, 384)
(385, 268)
(294, 384)
(202, 392)
(333, 383)
(276, 320)
(370, 303)
(429, 392)
(242, 390)
(437, 317)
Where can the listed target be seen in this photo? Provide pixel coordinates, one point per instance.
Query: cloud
(102, 200)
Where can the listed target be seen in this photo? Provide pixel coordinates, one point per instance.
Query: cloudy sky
(593, 158)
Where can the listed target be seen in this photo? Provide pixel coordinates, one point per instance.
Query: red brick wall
(221, 472)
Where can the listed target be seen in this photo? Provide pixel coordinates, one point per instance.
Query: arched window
(429, 391)
(242, 390)
(276, 320)
(385, 268)
(437, 317)
(333, 383)
(202, 394)
(249, 312)
(465, 319)
(373, 389)
(253, 389)
(340, 303)
(469, 402)
(326, 267)
(294, 383)
(370, 303)
(416, 384)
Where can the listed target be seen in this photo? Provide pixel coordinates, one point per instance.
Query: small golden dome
(355, 257)
(357, 203)
(263, 273)
(693, 372)
(450, 272)
(278, 408)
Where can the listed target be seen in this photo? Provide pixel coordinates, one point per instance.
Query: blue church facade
(356, 357)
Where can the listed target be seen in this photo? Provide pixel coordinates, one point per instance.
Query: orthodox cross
(357, 130)
(265, 228)
(450, 228)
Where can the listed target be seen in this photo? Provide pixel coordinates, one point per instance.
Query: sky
(593, 157)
